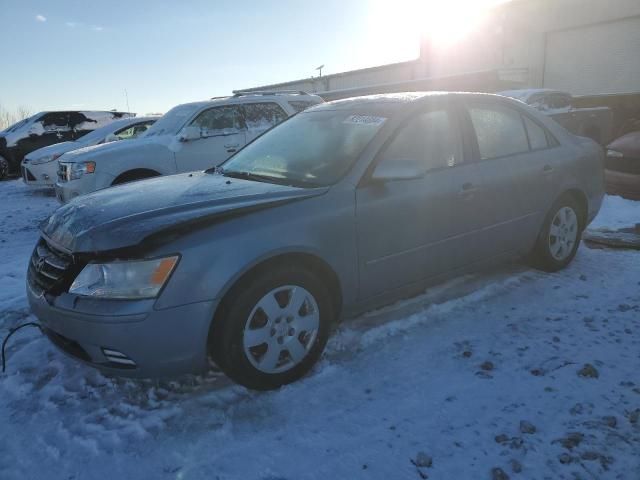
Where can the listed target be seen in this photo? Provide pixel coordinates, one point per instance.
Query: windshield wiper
(256, 177)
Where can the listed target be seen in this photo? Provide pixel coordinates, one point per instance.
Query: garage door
(597, 59)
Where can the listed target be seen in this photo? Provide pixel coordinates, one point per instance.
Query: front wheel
(560, 237)
(272, 328)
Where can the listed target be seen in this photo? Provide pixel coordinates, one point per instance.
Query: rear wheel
(272, 327)
(4, 168)
(558, 242)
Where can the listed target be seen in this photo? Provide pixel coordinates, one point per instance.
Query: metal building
(586, 47)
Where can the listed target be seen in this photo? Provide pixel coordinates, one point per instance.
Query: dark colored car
(341, 208)
(622, 166)
(47, 128)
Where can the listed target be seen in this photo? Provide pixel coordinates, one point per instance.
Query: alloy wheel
(281, 329)
(563, 233)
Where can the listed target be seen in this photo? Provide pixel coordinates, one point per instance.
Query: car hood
(126, 215)
(55, 149)
(103, 148)
(115, 148)
(628, 145)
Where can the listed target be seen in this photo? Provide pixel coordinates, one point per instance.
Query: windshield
(171, 122)
(21, 123)
(99, 134)
(311, 149)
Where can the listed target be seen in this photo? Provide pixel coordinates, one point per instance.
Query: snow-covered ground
(478, 374)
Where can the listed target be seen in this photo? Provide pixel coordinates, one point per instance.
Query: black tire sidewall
(226, 339)
(543, 258)
(4, 168)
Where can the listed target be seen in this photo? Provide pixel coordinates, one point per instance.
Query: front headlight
(614, 154)
(124, 279)
(45, 159)
(81, 168)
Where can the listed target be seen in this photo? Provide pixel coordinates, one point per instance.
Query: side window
(300, 105)
(55, 121)
(559, 100)
(430, 137)
(133, 131)
(537, 135)
(262, 116)
(499, 131)
(219, 121)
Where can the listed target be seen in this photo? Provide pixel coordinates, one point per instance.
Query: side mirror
(398, 169)
(190, 133)
(112, 137)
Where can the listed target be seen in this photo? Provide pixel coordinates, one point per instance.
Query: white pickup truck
(192, 136)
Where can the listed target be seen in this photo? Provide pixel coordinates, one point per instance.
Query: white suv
(192, 136)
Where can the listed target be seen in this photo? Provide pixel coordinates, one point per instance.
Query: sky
(79, 54)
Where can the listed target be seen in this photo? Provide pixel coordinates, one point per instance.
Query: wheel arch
(135, 173)
(580, 198)
(307, 259)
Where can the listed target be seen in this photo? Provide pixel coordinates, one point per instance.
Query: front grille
(623, 165)
(50, 270)
(63, 172)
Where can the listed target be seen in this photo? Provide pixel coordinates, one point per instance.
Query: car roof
(390, 102)
(252, 98)
(525, 94)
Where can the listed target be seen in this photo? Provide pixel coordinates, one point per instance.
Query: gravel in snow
(487, 376)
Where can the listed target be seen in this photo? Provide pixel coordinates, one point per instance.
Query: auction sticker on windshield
(365, 120)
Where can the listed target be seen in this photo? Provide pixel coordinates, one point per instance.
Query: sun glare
(441, 22)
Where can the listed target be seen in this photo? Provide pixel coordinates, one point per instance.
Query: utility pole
(126, 97)
(320, 69)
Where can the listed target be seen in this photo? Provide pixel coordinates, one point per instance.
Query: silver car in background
(344, 207)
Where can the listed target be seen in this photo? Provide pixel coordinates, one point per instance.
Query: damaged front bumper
(126, 338)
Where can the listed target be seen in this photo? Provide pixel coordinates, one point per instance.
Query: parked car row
(192, 136)
(345, 206)
(40, 167)
(47, 128)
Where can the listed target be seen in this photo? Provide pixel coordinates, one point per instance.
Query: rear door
(260, 117)
(516, 175)
(223, 133)
(410, 230)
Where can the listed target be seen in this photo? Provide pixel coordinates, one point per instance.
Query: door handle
(232, 147)
(468, 189)
(547, 169)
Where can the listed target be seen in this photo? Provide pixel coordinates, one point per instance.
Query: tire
(4, 168)
(259, 339)
(560, 237)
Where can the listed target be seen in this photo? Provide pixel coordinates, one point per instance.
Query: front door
(222, 133)
(410, 230)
